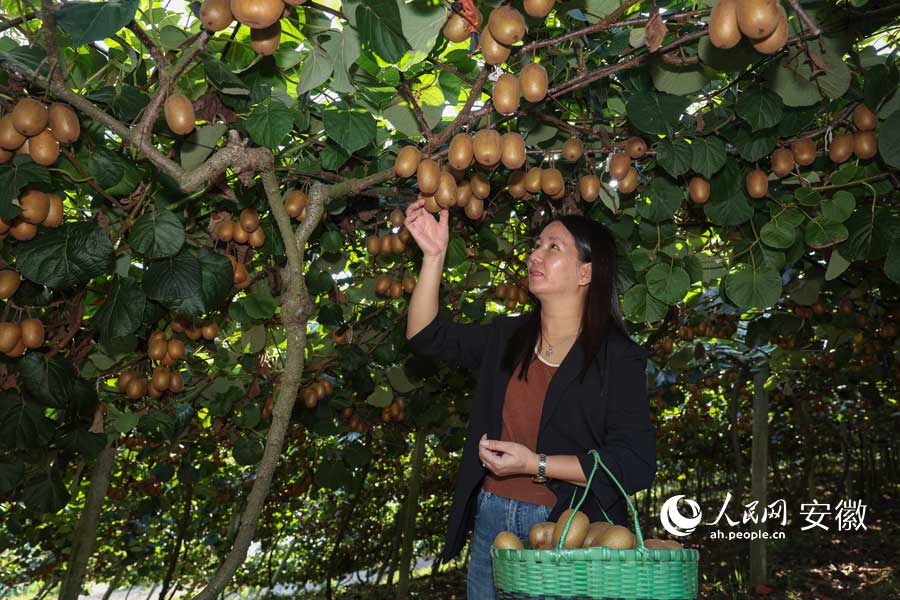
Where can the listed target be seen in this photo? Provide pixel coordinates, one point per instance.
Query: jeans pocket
(547, 510)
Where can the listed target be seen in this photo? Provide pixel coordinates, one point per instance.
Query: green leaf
(157, 234)
(456, 252)
(70, 255)
(269, 123)
(248, 450)
(659, 201)
(726, 60)
(674, 156)
(728, 203)
(352, 128)
(122, 311)
(778, 233)
(837, 264)
(23, 425)
(668, 283)
(707, 155)
(53, 381)
(889, 140)
(122, 422)
(11, 474)
(750, 287)
(45, 493)
(881, 82)
(381, 397)
(200, 144)
(116, 175)
(343, 50)
(216, 281)
(655, 113)
(790, 79)
(640, 306)
(332, 241)
(380, 29)
(422, 22)
(82, 441)
(401, 116)
(761, 108)
(399, 381)
(259, 304)
(14, 176)
(253, 340)
(821, 233)
(92, 21)
(678, 80)
(173, 278)
(222, 78)
(839, 207)
(248, 417)
(318, 65)
(891, 262)
(754, 146)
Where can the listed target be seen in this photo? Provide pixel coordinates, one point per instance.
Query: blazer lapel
(564, 376)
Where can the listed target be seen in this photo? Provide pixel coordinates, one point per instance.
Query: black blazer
(614, 419)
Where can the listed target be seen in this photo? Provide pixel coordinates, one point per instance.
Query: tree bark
(409, 529)
(113, 585)
(84, 538)
(759, 473)
(187, 478)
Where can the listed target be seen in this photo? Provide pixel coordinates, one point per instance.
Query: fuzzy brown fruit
(533, 179)
(538, 9)
(493, 51)
(865, 144)
(9, 283)
(505, 94)
(723, 26)
(461, 153)
(507, 540)
(533, 82)
(44, 148)
(10, 138)
(445, 195)
(265, 41)
(428, 174)
(782, 161)
(30, 117)
(22, 230)
(10, 335)
(699, 189)
(757, 18)
(841, 148)
(480, 186)
(863, 118)
(804, 152)
(179, 114)
(635, 147)
(619, 164)
(516, 184)
(455, 29)
(55, 215)
(757, 183)
(572, 149)
(776, 40)
(475, 209)
(577, 529)
(64, 123)
(628, 183)
(487, 147)
(257, 14)
(507, 25)
(552, 181)
(35, 206)
(249, 220)
(512, 153)
(589, 187)
(296, 201)
(216, 14)
(407, 161)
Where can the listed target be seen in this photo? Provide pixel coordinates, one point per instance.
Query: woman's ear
(585, 277)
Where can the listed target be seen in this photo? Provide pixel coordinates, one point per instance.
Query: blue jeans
(493, 515)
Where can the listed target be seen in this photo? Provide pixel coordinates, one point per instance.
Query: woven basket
(593, 573)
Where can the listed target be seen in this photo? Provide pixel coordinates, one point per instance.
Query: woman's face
(553, 266)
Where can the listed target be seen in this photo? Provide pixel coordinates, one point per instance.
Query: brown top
(521, 419)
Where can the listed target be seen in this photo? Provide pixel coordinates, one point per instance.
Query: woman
(543, 400)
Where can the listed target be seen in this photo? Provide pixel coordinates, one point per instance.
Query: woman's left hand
(506, 458)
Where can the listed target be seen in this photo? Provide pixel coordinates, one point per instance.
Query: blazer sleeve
(460, 343)
(629, 447)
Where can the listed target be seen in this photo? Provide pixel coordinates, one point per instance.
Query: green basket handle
(587, 488)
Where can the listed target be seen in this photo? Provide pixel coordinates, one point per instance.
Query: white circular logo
(676, 523)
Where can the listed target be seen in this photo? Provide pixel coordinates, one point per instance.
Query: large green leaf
(707, 155)
(16, 175)
(352, 128)
(678, 80)
(754, 146)
(45, 492)
(318, 65)
(889, 140)
(70, 255)
(892, 262)
(222, 78)
(655, 113)
(659, 201)
(674, 156)
(11, 473)
(728, 203)
(667, 282)
(422, 22)
(839, 207)
(343, 50)
(216, 280)
(54, 382)
(122, 311)
(778, 233)
(200, 144)
(753, 287)
(821, 233)
(91, 21)
(23, 424)
(157, 234)
(115, 174)
(269, 123)
(380, 29)
(173, 278)
(761, 108)
(640, 306)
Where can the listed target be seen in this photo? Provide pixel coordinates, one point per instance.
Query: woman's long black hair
(602, 313)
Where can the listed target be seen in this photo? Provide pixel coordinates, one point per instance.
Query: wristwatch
(541, 476)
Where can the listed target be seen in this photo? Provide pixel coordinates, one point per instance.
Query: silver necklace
(549, 351)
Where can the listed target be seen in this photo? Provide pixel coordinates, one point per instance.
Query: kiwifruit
(577, 530)
(249, 220)
(123, 379)
(257, 238)
(64, 123)
(54, 216)
(44, 148)
(757, 18)
(225, 230)
(512, 152)
(239, 235)
(295, 2)
(507, 25)
(9, 283)
(533, 180)
(30, 117)
(428, 174)
(35, 206)
(295, 201)
(382, 284)
(397, 217)
(17, 350)
(776, 40)
(176, 347)
(373, 244)
(23, 149)
(493, 51)
(699, 189)
(461, 153)
(841, 148)
(407, 161)
(757, 183)
(136, 388)
(6, 156)
(455, 29)
(487, 147)
(209, 330)
(446, 192)
(863, 118)
(589, 187)
(10, 333)
(480, 186)
(396, 290)
(572, 149)
(257, 14)
(541, 535)
(310, 399)
(804, 151)
(560, 194)
(594, 532)
(463, 192)
(409, 283)
(619, 164)
(179, 114)
(516, 184)
(723, 26)
(22, 230)
(431, 204)
(635, 147)
(617, 537)
(176, 382)
(507, 540)
(216, 14)
(475, 209)
(628, 184)
(10, 138)
(552, 181)
(241, 276)
(533, 82)
(865, 145)
(782, 161)
(505, 94)
(538, 8)
(397, 245)
(386, 246)
(161, 378)
(265, 41)
(657, 544)
(157, 348)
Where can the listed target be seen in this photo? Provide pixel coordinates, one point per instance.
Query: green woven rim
(600, 572)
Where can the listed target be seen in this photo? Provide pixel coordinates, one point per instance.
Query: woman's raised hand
(431, 235)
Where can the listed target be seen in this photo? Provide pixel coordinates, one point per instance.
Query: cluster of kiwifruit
(16, 337)
(241, 276)
(261, 16)
(863, 142)
(394, 288)
(763, 21)
(663, 345)
(456, 30)
(165, 353)
(245, 230)
(9, 283)
(315, 392)
(208, 330)
(514, 294)
(37, 208)
(531, 84)
(582, 534)
(620, 165)
(445, 187)
(34, 130)
(391, 243)
(395, 411)
(353, 421)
